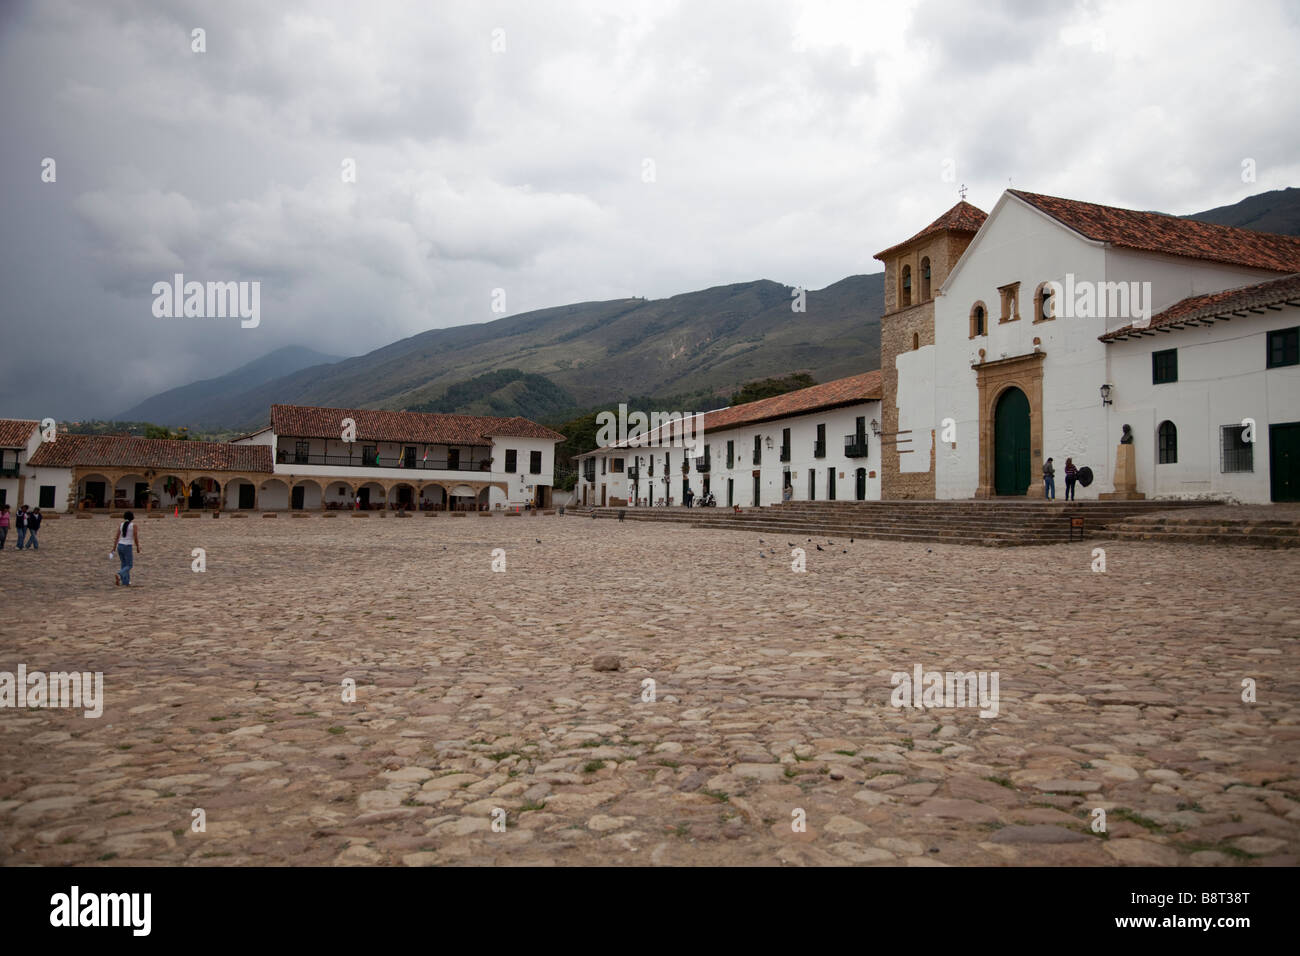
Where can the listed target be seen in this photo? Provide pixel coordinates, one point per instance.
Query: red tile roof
(1203, 309)
(962, 217)
(111, 451)
(16, 432)
(309, 421)
(842, 391)
(1158, 232)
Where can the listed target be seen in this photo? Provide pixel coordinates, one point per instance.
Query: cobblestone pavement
(476, 692)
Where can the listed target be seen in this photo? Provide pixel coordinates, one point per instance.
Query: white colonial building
(811, 444)
(341, 457)
(18, 439)
(300, 462)
(1056, 323)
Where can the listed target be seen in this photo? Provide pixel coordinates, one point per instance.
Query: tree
(769, 387)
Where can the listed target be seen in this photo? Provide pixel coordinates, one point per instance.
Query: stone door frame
(1024, 372)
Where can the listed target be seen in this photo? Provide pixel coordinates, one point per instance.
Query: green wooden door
(1011, 444)
(1284, 461)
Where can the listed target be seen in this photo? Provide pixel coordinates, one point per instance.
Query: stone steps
(994, 523)
(1193, 529)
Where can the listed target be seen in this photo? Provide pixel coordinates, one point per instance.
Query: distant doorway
(860, 485)
(1011, 443)
(1284, 461)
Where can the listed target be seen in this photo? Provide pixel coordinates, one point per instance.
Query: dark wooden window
(512, 459)
(1164, 367)
(535, 462)
(1284, 347)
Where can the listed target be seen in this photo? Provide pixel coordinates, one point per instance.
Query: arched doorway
(1011, 443)
(401, 496)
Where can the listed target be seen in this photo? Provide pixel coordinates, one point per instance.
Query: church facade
(1044, 328)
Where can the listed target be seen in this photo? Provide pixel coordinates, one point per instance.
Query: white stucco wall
(1019, 244)
(1222, 379)
(36, 477)
(803, 431)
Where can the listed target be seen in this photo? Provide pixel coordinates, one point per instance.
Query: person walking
(1049, 480)
(20, 520)
(4, 525)
(1071, 476)
(127, 544)
(33, 526)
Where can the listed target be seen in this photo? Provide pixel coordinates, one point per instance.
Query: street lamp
(875, 428)
(1105, 393)
(769, 443)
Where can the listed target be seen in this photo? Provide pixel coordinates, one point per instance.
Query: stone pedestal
(1125, 477)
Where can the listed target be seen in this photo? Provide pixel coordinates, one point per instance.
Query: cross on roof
(962, 191)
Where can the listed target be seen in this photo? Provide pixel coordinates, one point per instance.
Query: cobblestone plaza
(481, 733)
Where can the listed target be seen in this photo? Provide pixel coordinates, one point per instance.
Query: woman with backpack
(127, 544)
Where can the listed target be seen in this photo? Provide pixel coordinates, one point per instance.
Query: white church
(1044, 328)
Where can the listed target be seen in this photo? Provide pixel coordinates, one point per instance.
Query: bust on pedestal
(1125, 472)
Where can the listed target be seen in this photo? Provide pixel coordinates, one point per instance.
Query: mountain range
(553, 363)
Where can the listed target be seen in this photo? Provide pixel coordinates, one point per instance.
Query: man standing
(20, 520)
(1049, 480)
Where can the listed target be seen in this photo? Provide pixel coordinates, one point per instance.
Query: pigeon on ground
(850, 540)
(820, 548)
(539, 540)
(846, 551)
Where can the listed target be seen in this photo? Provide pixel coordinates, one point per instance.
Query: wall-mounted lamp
(768, 441)
(1105, 393)
(875, 428)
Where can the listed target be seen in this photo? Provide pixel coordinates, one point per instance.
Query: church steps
(989, 523)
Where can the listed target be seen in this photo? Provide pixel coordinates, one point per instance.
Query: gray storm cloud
(506, 146)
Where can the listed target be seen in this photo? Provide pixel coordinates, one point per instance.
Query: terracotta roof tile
(962, 217)
(1192, 310)
(1158, 232)
(842, 391)
(16, 432)
(110, 451)
(309, 421)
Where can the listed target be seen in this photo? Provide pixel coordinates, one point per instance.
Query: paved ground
(476, 691)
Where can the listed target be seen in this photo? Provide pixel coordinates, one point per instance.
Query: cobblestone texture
(476, 692)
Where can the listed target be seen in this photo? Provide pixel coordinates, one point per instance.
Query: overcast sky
(509, 146)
